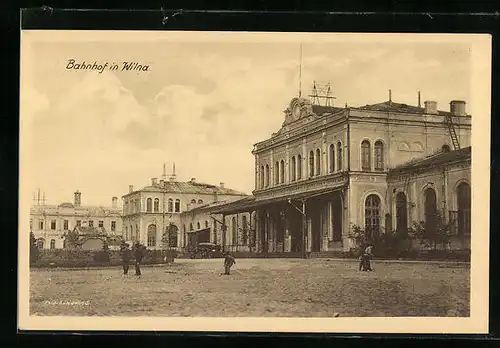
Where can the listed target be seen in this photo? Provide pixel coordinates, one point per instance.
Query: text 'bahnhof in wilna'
(328, 170)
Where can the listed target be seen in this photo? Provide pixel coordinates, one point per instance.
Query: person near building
(229, 261)
(125, 254)
(139, 250)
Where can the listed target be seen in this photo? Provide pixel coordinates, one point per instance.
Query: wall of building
(50, 214)
(405, 137)
(444, 181)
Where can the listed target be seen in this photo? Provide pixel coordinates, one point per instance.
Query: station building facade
(157, 215)
(328, 169)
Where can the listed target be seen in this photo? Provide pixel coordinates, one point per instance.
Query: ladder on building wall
(451, 130)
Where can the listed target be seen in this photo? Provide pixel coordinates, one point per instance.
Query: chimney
(457, 108)
(193, 180)
(130, 188)
(390, 96)
(114, 202)
(78, 198)
(419, 104)
(221, 185)
(430, 107)
(154, 181)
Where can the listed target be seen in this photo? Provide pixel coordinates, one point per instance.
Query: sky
(201, 104)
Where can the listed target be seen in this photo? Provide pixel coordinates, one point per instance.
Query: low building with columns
(50, 223)
(329, 169)
(156, 215)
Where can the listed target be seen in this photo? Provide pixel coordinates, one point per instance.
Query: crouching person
(229, 261)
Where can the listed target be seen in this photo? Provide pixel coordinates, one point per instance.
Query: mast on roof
(300, 72)
(322, 94)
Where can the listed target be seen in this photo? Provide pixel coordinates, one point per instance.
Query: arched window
(191, 226)
(365, 155)
(206, 223)
(262, 174)
(200, 201)
(157, 205)
(311, 163)
(198, 226)
(277, 173)
(282, 171)
(446, 148)
(52, 244)
(137, 233)
(339, 156)
(244, 237)
(293, 169)
(430, 211)
(372, 216)
(234, 231)
(184, 228)
(149, 205)
(464, 209)
(177, 205)
(193, 201)
(170, 205)
(318, 162)
(152, 235)
(126, 233)
(40, 242)
(267, 175)
(401, 213)
(331, 160)
(299, 167)
(379, 156)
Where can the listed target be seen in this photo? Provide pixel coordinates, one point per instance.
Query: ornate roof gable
(299, 108)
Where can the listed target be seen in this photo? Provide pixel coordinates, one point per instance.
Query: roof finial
(300, 72)
(164, 171)
(390, 96)
(419, 105)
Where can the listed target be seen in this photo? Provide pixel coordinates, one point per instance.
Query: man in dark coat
(126, 254)
(138, 253)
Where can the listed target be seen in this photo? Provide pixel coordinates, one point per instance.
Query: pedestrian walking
(139, 254)
(126, 254)
(229, 261)
(366, 256)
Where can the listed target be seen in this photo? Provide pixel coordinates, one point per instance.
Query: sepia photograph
(224, 181)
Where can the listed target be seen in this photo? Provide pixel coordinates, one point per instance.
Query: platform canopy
(251, 203)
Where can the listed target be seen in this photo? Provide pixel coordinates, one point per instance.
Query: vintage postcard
(255, 182)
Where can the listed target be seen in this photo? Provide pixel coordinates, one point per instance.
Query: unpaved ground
(256, 287)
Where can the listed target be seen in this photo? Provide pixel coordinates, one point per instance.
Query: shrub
(101, 256)
(34, 252)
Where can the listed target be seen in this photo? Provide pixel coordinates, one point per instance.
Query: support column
(258, 229)
(304, 230)
(346, 241)
(325, 227)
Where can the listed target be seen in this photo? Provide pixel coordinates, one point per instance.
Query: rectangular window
(78, 223)
(53, 224)
(40, 224)
(91, 223)
(66, 224)
(113, 225)
(101, 224)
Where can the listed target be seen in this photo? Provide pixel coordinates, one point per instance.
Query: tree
(34, 253)
(432, 236)
(72, 239)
